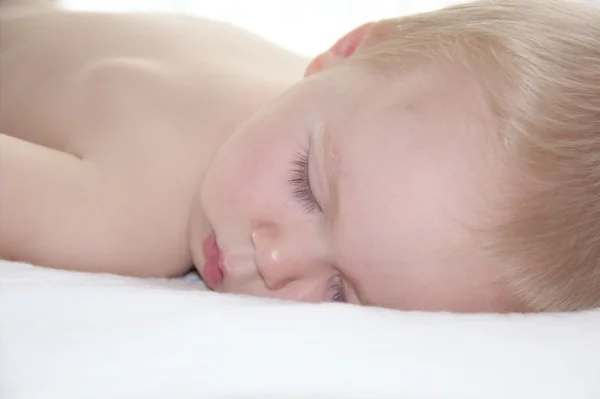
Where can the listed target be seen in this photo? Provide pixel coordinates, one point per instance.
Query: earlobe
(341, 50)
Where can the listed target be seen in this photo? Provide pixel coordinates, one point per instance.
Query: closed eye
(336, 289)
(300, 181)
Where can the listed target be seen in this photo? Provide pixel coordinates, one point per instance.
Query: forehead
(411, 157)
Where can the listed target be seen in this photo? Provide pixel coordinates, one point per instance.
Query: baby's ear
(341, 50)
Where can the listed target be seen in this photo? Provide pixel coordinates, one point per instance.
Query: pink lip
(213, 271)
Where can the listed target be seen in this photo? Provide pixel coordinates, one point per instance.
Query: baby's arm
(46, 205)
(57, 210)
(37, 185)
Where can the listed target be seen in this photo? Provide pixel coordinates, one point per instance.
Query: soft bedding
(75, 335)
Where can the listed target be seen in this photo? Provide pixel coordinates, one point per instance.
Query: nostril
(275, 284)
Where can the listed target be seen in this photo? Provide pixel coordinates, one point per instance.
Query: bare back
(107, 125)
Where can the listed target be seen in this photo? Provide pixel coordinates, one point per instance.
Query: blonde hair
(539, 65)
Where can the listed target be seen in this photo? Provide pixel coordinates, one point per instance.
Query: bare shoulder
(44, 54)
(176, 36)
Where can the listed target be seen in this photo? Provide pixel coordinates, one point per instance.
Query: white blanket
(71, 335)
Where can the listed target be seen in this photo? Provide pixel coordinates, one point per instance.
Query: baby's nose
(282, 258)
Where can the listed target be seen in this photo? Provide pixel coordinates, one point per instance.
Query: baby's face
(353, 187)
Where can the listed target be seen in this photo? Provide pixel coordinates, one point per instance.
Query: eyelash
(337, 289)
(300, 181)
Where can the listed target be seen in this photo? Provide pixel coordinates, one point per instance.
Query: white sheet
(70, 335)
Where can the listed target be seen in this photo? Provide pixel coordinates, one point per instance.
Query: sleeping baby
(442, 161)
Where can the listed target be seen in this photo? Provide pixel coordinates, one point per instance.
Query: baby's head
(444, 161)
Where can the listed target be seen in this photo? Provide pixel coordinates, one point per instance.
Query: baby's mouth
(213, 271)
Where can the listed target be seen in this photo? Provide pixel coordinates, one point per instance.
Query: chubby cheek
(247, 179)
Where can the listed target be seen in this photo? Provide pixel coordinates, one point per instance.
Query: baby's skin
(147, 144)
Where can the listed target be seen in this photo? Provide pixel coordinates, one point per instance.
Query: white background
(307, 26)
